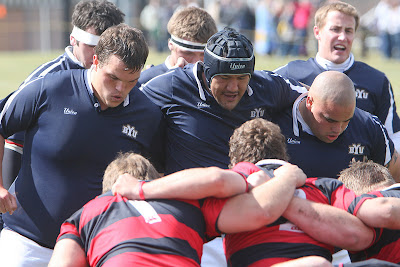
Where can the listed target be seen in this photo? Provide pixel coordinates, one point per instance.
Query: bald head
(329, 106)
(333, 87)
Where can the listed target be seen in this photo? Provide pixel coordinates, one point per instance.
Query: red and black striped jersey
(115, 231)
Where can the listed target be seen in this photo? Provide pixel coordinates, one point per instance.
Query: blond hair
(367, 176)
(131, 163)
(193, 24)
(342, 7)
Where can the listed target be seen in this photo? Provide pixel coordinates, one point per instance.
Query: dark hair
(97, 14)
(255, 140)
(126, 42)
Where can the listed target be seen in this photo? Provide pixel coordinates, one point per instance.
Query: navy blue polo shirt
(154, 71)
(373, 90)
(365, 136)
(198, 128)
(66, 61)
(69, 142)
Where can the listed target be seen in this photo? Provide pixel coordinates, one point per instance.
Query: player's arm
(329, 224)
(394, 166)
(263, 204)
(195, 183)
(381, 212)
(8, 202)
(68, 253)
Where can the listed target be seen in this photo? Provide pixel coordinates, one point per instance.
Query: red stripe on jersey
(97, 207)
(68, 228)
(389, 252)
(13, 143)
(273, 234)
(136, 227)
(150, 260)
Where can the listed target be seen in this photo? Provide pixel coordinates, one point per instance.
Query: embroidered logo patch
(68, 111)
(129, 131)
(257, 113)
(356, 149)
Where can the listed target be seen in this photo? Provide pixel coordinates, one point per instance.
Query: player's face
(329, 120)
(189, 56)
(111, 82)
(335, 38)
(229, 89)
(83, 52)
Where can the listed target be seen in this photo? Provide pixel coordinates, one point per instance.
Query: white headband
(188, 45)
(85, 37)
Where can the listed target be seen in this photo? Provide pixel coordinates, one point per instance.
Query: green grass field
(16, 66)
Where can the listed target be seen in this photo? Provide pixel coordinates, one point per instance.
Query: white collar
(166, 62)
(393, 186)
(297, 118)
(70, 54)
(200, 87)
(329, 65)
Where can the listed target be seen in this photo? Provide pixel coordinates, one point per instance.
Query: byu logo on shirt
(356, 149)
(129, 131)
(361, 94)
(257, 113)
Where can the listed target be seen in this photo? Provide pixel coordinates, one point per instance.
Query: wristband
(245, 180)
(141, 193)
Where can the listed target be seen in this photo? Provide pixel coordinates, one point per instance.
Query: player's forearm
(382, 212)
(329, 225)
(68, 253)
(196, 183)
(261, 206)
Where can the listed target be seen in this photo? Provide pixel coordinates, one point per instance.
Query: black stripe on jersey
(388, 237)
(154, 247)
(184, 213)
(250, 255)
(328, 186)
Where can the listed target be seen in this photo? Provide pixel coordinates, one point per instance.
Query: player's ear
(170, 45)
(309, 102)
(95, 60)
(316, 33)
(72, 40)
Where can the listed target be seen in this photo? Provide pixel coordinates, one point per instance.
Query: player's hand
(127, 186)
(181, 62)
(8, 202)
(293, 172)
(257, 178)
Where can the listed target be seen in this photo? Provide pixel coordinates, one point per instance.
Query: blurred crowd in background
(276, 27)
(279, 27)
